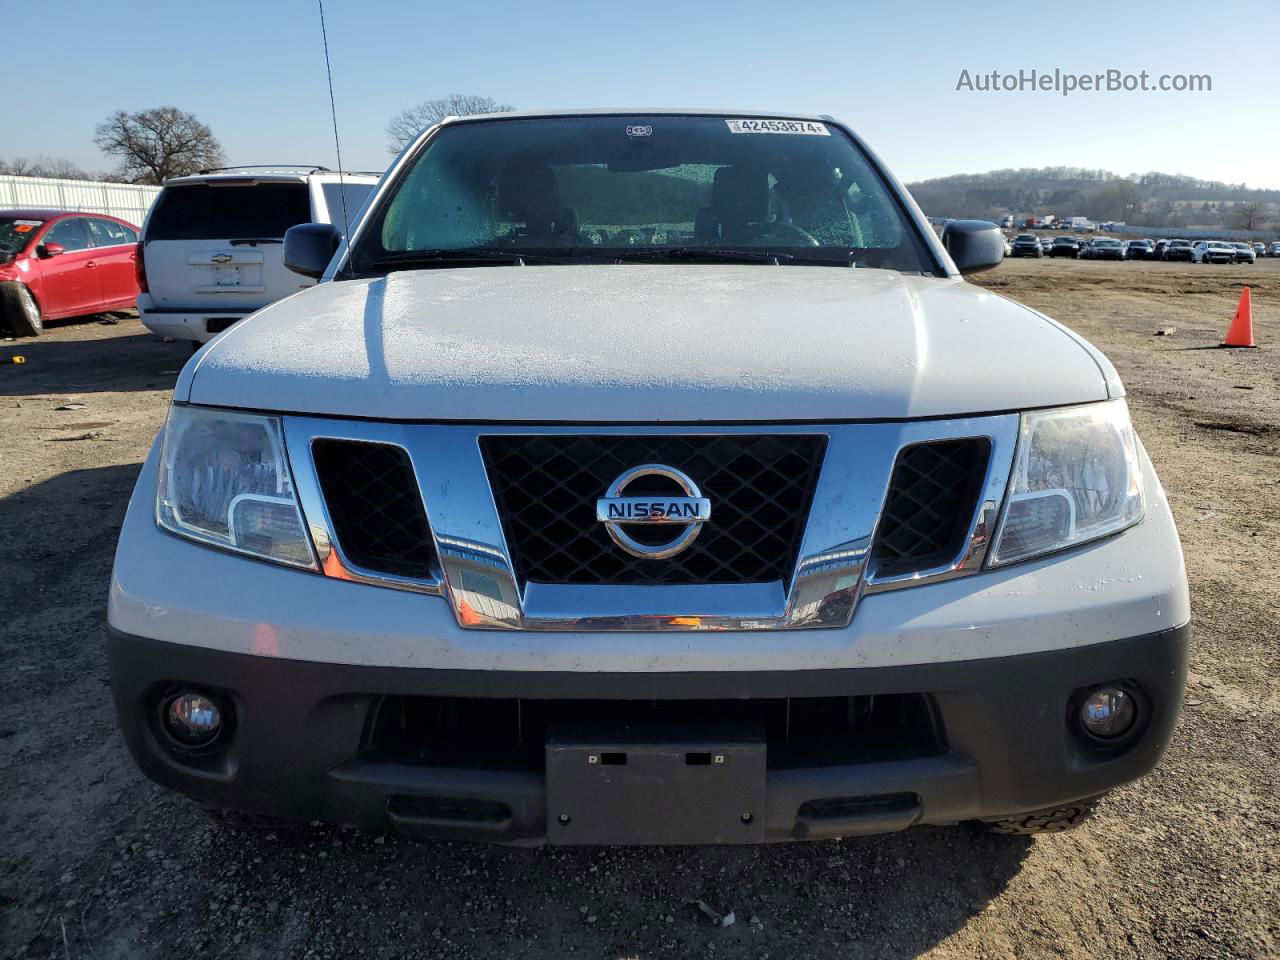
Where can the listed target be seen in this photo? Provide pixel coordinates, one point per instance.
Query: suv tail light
(140, 269)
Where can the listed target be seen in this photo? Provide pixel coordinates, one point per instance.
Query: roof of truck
(644, 111)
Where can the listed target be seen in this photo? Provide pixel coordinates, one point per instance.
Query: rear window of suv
(242, 211)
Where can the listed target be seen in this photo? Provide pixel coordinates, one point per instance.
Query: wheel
(1052, 820)
(19, 310)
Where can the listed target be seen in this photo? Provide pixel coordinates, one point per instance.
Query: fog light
(1108, 712)
(193, 719)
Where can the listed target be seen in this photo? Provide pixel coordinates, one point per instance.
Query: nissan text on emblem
(688, 513)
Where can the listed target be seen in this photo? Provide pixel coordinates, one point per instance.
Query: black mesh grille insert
(931, 501)
(760, 489)
(375, 507)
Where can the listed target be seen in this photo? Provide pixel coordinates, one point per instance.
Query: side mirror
(974, 245)
(47, 250)
(309, 247)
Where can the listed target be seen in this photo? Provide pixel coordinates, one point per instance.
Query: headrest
(528, 194)
(740, 194)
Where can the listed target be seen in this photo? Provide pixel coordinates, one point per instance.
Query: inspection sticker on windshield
(808, 128)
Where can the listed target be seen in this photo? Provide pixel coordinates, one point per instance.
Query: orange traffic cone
(1240, 333)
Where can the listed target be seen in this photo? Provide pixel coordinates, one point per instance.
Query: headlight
(1076, 477)
(224, 480)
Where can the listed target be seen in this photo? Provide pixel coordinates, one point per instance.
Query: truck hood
(647, 343)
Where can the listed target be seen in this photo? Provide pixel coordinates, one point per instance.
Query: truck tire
(1052, 820)
(19, 310)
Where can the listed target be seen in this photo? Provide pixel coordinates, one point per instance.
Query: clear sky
(254, 72)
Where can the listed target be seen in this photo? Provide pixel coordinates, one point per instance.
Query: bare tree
(1249, 216)
(155, 144)
(407, 124)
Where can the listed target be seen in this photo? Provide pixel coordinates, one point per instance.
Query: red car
(54, 263)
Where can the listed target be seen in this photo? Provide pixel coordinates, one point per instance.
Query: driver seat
(531, 196)
(739, 198)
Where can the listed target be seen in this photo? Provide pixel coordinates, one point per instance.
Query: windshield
(607, 188)
(15, 232)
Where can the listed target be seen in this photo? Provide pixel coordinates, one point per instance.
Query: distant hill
(1153, 199)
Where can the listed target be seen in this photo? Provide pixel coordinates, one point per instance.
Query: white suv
(211, 244)
(648, 478)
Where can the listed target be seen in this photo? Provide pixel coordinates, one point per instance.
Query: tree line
(1149, 199)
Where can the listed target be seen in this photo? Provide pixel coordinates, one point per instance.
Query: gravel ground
(95, 862)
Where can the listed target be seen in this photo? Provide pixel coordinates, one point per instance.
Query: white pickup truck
(648, 478)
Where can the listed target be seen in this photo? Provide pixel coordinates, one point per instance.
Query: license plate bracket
(226, 275)
(699, 783)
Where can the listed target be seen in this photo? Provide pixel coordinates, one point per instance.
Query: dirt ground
(97, 863)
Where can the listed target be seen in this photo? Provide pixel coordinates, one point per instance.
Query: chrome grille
(760, 487)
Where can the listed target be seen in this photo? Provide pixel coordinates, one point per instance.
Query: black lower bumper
(310, 740)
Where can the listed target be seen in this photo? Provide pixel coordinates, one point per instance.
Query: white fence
(124, 200)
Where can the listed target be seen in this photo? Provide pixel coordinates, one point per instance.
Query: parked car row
(1207, 251)
(209, 253)
(1097, 248)
(1108, 248)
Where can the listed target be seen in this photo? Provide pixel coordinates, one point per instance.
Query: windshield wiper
(702, 253)
(411, 259)
(718, 255)
(254, 241)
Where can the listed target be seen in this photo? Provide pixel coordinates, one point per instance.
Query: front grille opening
(372, 496)
(840, 808)
(450, 810)
(760, 489)
(930, 505)
(479, 733)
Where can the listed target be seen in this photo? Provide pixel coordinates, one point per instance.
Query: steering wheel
(787, 231)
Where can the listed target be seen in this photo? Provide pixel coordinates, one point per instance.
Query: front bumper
(308, 664)
(303, 743)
